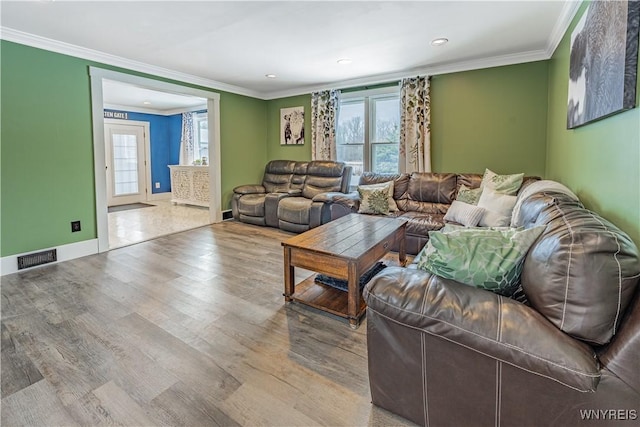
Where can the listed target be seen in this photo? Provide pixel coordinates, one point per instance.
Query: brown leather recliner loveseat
(442, 353)
(291, 196)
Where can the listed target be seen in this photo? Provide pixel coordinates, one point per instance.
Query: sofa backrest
(582, 271)
(277, 176)
(299, 175)
(325, 176)
(429, 192)
(400, 181)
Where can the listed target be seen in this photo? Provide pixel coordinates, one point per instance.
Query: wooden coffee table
(345, 249)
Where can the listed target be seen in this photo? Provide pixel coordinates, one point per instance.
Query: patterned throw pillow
(464, 213)
(506, 184)
(388, 186)
(469, 195)
(373, 200)
(484, 258)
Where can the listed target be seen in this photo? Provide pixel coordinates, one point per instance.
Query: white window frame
(367, 95)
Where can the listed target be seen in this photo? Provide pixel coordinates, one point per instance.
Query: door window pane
(125, 164)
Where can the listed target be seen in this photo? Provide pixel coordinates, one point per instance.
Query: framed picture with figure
(292, 126)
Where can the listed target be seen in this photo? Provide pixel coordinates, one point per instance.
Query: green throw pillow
(469, 195)
(373, 201)
(505, 184)
(484, 258)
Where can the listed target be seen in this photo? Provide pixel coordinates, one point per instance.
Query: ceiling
(232, 45)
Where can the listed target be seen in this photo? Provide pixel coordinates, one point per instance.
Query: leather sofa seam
(497, 358)
(475, 334)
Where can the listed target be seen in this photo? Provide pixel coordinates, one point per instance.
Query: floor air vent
(38, 258)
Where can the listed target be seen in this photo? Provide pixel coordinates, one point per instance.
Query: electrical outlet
(75, 226)
(157, 185)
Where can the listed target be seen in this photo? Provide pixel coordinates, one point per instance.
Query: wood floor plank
(19, 372)
(36, 405)
(184, 330)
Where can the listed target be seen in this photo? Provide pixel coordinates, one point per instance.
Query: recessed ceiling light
(344, 61)
(270, 76)
(439, 41)
(147, 103)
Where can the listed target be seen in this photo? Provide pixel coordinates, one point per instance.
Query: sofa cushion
(464, 213)
(277, 175)
(420, 224)
(432, 187)
(582, 272)
(294, 210)
(251, 205)
(322, 177)
(400, 181)
(484, 258)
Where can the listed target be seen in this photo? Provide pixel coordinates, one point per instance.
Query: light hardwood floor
(162, 218)
(188, 329)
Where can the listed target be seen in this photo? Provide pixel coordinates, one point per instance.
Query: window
(201, 136)
(368, 131)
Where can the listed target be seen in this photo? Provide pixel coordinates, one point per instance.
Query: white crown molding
(569, 11)
(171, 112)
(33, 40)
(496, 61)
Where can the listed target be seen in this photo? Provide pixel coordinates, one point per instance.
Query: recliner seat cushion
(582, 272)
(294, 210)
(251, 205)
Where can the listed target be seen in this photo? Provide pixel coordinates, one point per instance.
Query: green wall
(275, 151)
(599, 161)
(47, 147)
(491, 118)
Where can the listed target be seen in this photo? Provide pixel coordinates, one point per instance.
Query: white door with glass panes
(125, 155)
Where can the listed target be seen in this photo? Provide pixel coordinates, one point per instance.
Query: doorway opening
(123, 165)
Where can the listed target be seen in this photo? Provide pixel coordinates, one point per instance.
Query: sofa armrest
(348, 199)
(482, 321)
(294, 193)
(250, 189)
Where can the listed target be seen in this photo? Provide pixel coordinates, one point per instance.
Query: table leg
(289, 275)
(402, 249)
(353, 295)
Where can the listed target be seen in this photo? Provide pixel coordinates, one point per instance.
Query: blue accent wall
(164, 140)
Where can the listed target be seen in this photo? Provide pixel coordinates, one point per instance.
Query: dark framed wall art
(604, 62)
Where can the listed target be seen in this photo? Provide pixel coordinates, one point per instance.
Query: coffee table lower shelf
(325, 298)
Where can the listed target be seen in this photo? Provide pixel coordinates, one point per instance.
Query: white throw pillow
(464, 213)
(498, 208)
(388, 187)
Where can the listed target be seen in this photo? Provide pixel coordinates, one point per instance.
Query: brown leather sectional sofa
(422, 198)
(442, 353)
(291, 196)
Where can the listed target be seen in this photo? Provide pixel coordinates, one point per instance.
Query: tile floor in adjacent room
(138, 225)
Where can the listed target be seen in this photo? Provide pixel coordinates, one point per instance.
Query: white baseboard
(159, 196)
(9, 264)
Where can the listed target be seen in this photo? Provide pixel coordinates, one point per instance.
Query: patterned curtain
(415, 125)
(324, 106)
(187, 148)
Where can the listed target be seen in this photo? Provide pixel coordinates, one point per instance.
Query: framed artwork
(292, 126)
(603, 62)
